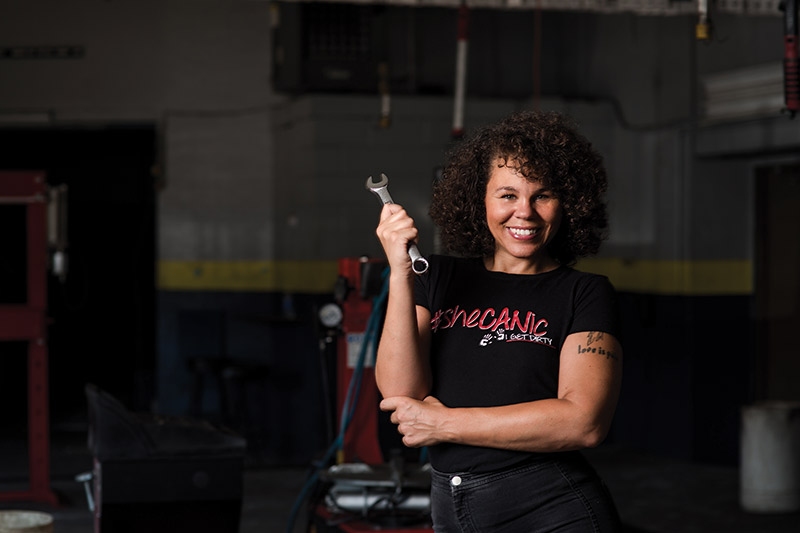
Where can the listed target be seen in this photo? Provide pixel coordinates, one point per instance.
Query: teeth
(522, 232)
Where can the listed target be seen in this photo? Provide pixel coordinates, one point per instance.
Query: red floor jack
(364, 491)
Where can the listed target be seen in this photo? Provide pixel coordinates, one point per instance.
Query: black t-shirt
(496, 340)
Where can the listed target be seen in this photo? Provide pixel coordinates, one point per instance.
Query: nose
(524, 209)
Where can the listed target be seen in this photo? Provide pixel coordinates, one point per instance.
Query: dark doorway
(777, 289)
(102, 314)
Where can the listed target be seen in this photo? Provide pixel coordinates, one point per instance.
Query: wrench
(381, 188)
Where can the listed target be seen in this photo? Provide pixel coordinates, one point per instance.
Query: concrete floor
(654, 494)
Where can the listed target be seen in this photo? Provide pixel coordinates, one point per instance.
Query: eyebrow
(514, 189)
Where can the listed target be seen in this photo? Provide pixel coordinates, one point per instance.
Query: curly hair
(547, 147)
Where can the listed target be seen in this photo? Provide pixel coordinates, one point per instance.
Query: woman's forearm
(543, 426)
(579, 417)
(402, 367)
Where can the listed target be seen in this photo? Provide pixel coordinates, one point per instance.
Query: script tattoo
(595, 336)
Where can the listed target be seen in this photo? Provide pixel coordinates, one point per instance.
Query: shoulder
(585, 280)
(586, 290)
(443, 272)
(448, 264)
(595, 304)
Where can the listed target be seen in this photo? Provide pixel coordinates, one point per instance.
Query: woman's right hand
(396, 231)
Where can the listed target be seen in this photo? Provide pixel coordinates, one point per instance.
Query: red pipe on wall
(791, 69)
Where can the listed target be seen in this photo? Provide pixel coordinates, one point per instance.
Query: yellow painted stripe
(255, 276)
(724, 277)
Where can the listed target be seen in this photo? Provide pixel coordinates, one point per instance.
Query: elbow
(590, 426)
(390, 385)
(382, 379)
(390, 389)
(384, 386)
(592, 434)
(593, 439)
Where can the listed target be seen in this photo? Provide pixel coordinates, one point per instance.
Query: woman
(501, 358)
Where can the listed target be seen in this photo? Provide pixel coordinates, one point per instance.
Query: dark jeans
(556, 493)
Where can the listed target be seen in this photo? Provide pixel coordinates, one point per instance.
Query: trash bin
(770, 457)
(25, 522)
(162, 474)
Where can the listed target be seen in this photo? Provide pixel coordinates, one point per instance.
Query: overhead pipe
(382, 72)
(386, 97)
(457, 130)
(791, 70)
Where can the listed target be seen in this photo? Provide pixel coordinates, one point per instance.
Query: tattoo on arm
(595, 336)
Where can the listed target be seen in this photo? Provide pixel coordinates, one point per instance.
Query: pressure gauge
(330, 315)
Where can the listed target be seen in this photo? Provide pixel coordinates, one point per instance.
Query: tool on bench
(381, 188)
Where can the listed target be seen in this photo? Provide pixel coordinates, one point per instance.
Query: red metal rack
(28, 322)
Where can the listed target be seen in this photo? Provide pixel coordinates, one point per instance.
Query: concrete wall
(201, 72)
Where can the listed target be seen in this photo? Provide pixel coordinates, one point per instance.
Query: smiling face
(523, 216)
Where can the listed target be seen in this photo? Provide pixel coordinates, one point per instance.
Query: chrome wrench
(381, 189)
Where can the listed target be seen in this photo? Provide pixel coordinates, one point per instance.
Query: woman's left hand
(418, 421)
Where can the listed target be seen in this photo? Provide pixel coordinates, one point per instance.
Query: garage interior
(188, 244)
